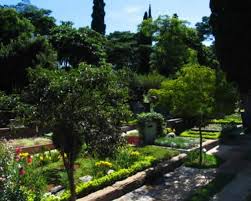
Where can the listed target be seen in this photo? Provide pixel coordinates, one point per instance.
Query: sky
(121, 15)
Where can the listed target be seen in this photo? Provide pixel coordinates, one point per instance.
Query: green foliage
(214, 187)
(234, 118)
(149, 81)
(13, 26)
(172, 49)
(206, 135)
(159, 153)
(204, 29)
(98, 16)
(145, 118)
(177, 142)
(122, 50)
(208, 161)
(18, 55)
(77, 45)
(84, 105)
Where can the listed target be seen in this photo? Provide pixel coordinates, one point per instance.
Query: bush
(144, 118)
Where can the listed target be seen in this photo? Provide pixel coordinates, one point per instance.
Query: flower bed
(177, 142)
(127, 162)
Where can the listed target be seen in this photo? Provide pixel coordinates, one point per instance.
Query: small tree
(84, 105)
(194, 94)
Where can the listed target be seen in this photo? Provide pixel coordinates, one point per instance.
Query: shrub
(144, 118)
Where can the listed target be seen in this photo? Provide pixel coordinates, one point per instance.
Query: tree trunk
(70, 173)
(200, 160)
(69, 166)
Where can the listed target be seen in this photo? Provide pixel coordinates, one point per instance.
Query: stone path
(236, 163)
(237, 190)
(174, 186)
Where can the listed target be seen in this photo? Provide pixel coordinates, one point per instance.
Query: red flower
(18, 150)
(21, 171)
(18, 158)
(29, 159)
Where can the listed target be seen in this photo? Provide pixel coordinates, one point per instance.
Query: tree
(204, 29)
(13, 26)
(145, 46)
(171, 49)
(77, 45)
(40, 18)
(98, 16)
(122, 50)
(229, 21)
(20, 50)
(83, 105)
(197, 93)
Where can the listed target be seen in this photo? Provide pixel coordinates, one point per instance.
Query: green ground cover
(215, 186)
(234, 118)
(206, 135)
(208, 161)
(177, 142)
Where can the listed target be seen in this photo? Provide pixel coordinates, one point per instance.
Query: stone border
(120, 188)
(37, 148)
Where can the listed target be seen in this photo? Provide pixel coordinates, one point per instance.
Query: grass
(25, 142)
(177, 142)
(234, 118)
(209, 161)
(205, 135)
(215, 186)
(157, 152)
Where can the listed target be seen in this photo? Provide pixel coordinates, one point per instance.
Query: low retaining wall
(37, 148)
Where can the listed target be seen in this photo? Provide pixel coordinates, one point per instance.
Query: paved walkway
(174, 186)
(237, 163)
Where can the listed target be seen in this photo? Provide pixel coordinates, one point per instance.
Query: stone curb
(120, 188)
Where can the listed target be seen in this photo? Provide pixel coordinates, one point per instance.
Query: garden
(81, 110)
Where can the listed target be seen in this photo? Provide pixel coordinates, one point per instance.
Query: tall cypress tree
(150, 12)
(98, 16)
(145, 47)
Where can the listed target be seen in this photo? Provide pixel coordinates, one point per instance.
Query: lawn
(177, 142)
(208, 161)
(234, 118)
(205, 135)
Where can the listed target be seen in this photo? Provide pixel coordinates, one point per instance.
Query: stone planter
(37, 148)
(134, 140)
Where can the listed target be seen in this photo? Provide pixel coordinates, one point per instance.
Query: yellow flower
(24, 155)
(103, 164)
(41, 158)
(134, 154)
